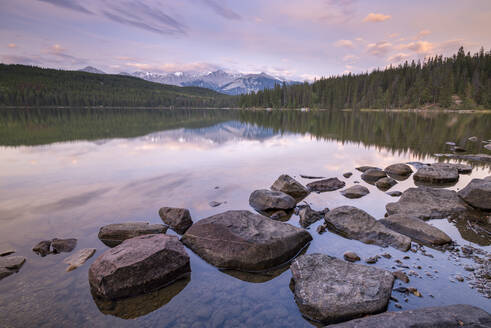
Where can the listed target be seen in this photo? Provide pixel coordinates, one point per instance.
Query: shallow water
(65, 173)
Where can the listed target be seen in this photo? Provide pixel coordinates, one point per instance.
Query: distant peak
(90, 69)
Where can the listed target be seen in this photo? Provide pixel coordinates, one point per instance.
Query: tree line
(462, 81)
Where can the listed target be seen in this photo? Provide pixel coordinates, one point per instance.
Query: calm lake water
(65, 173)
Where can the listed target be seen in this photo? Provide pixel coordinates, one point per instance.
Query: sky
(293, 39)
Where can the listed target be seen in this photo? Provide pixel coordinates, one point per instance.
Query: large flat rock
(114, 234)
(139, 265)
(436, 174)
(428, 203)
(450, 316)
(332, 290)
(416, 229)
(290, 186)
(242, 240)
(354, 223)
(477, 193)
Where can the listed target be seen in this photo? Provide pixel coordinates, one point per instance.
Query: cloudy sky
(296, 39)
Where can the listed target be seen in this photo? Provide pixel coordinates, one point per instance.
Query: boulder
(290, 186)
(114, 234)
(354, 223)
(245, 241)
(63, 245)
(139, 265)
(355, 192)
(308, 216)
(372, 175)
(477, 193)
(416, 229)
(398, 169)
(428, 203)
(12, 262)
(366, 168)
(330, 184)
(459, 315)
(42, 248)
(179, 219)
(385, 183)
(79, 258)
(436, 174)
(264, 201)
(331, 290)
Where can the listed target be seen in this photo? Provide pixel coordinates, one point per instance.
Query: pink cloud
(344, 43)
(376, 18)
(419, 47)
(379, 49)
(12, 45)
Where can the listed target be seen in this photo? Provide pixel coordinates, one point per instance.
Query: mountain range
(220, 81)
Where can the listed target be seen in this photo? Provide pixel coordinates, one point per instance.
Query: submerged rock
(139, 265)
(114, 234)
(43, 248)
(484, 158)
(354, 223)
(245, 241)
(310, 177)
(459, 315)
(308, 216)
(330, 184)
(5, 272)
(63, 245)
(401, 276)
(399, 169)
(355, 192)
(372, 175)
(179, 219)
(347, 175)
(12, 262)
(331, 290)
(385, 183)
(461, 168)
(214, 203)
(366, 168)
(417, 229)
(7, 252)
(394, 193)
(266, 200)
(477, 193)
(428, 203)
(79, 258)
(436, 174)
(290, 186)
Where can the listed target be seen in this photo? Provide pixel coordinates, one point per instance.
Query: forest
(462, 81)
(22, 85)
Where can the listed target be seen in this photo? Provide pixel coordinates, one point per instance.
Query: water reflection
(134, 307)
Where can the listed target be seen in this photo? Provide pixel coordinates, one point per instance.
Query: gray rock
(63, 245)
(245, 241)
(372, 175)
(7, 252)
(310, 177)
(331, 290)
(366, 168)
(290, 186)
(354, 223)
(399, 169)
(394, 193)
(459, 315)
(416, 229)
(428, 203)
(215, 203)
(12, 262)
(308, 216)
(351, 256)
(79, 258)
(114, 234)
(488, 146)
(355, 192)
(179, 219)
(385, 183)
(266, 200)
(43, 248)
(347, 175)
(139, 265)
(436, 174)
(477, 193)
(5, 272)
(330, 184)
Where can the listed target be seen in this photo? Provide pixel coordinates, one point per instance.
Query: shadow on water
(134, 307)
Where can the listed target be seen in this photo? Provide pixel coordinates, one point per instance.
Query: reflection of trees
(134, 307)
(422, 134)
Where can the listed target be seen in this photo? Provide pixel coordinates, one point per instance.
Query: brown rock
(179, 219)
(290, 186)
(330, 184)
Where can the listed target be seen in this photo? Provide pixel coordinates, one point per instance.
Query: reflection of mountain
(218, 133)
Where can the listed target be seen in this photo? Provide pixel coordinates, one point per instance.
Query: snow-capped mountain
(220, 81)
(90, 69)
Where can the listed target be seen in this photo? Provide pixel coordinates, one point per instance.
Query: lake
(66, 172)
